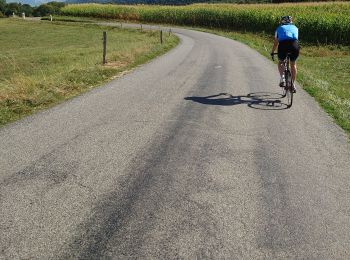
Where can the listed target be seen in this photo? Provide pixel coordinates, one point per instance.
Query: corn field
(317, 22)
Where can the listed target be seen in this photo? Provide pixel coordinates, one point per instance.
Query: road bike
(287, 89)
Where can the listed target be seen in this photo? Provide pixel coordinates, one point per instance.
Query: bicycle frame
(288, 88)
(287, 70)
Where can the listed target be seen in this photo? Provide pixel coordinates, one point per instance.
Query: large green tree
(43, 10)
(2, 7)
(12, 8)
(49, 8)
(27, 9)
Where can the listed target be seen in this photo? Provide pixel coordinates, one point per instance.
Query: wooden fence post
(161, 37)
(104, 47)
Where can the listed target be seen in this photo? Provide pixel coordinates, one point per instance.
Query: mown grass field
(44, 63)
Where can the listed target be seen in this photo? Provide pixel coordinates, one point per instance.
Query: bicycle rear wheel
(284, 90)
(289, 89)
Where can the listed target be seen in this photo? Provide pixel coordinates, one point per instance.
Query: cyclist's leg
(281, 67)
(282, 54)
(294, 50)
(293, 68)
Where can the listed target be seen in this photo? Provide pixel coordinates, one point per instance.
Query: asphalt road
(193, 156)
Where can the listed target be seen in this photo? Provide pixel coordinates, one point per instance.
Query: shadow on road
(257, 100)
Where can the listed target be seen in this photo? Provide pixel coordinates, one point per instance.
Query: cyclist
(286, 38)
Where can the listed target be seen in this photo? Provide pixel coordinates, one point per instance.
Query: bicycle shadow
(257, 100)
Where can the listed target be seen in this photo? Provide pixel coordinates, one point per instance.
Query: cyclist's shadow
(257, 100)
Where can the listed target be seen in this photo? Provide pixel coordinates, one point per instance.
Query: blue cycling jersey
(287, 32)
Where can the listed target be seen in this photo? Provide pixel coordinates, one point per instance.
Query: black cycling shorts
(291, 47)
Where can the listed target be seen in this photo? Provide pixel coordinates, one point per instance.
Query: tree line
(9, 9)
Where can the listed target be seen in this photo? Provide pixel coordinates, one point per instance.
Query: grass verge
(44, 63)
(59, 18)
(323, 71)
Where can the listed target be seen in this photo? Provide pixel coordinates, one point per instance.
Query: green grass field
(43, 63)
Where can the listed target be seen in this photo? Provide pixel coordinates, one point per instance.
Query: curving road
(190, 156)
